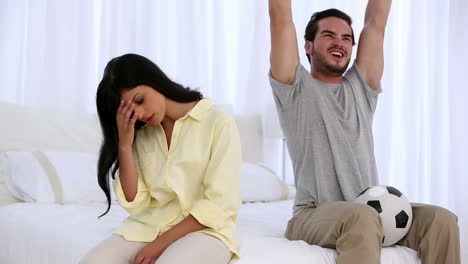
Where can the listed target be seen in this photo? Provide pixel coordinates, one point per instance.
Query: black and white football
(394, 210)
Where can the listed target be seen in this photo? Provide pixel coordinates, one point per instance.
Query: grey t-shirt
(328, 130)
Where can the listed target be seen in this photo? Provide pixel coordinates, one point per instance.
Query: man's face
(332, 48)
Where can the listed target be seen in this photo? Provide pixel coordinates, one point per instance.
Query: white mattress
(51, 233)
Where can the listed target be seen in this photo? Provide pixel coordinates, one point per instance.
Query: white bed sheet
(52, 233)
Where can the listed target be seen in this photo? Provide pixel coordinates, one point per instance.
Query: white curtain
(53, 54)
(420, 126)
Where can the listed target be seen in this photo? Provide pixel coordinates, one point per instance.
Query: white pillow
(70, 177)
(5, 196)
(77, 173)
(60, 177)
(261, 184)
(25, 178)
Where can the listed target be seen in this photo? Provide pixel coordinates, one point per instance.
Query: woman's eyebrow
(133, 99)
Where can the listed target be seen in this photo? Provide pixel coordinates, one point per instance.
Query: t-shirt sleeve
(285, 94)
(365, 95)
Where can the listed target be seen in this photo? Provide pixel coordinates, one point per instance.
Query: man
(327, 120)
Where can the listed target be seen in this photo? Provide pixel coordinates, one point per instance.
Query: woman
(178, 160)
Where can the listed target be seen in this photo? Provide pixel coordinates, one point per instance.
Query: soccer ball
(394, 210)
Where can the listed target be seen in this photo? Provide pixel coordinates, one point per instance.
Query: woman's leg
(196, 248)
(113, 250)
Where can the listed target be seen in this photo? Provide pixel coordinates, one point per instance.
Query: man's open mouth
(337, 54)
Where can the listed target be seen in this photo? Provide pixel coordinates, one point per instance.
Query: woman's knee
(196, 248)
(95, 256)
(114, 249)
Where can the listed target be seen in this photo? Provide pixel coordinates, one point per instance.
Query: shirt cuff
(139, 203)
(209, 214)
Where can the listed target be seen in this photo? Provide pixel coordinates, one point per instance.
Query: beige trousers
(355, 231)
(194, 248)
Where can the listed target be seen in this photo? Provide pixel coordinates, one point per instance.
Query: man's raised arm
(369, 56)
(284, 56)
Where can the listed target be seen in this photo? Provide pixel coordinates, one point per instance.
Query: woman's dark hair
(121, 73)
(312, 26)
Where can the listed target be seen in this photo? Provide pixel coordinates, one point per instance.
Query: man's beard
(320, 62)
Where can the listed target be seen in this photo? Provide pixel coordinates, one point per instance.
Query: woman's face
(149, 104)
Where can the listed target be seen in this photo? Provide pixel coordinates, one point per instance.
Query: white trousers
(193, 248)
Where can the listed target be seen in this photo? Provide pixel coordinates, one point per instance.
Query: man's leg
(434, 234)
(353, 229)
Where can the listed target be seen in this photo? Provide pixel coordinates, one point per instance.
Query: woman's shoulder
(218, 116)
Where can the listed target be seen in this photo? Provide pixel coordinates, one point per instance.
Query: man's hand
(369, 56)
(150, 253)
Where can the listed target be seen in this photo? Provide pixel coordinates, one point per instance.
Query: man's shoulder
(353, 75)
(300, 74)
(352, 71)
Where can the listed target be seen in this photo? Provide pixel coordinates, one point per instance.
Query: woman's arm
(127, 173)
(151, 252)
(129, 187)
(126, 128)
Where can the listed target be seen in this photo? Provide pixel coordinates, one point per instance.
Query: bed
(48, 210)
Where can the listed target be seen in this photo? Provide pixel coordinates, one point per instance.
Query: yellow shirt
(199, 175)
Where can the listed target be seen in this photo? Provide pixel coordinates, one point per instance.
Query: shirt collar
(199, 110)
